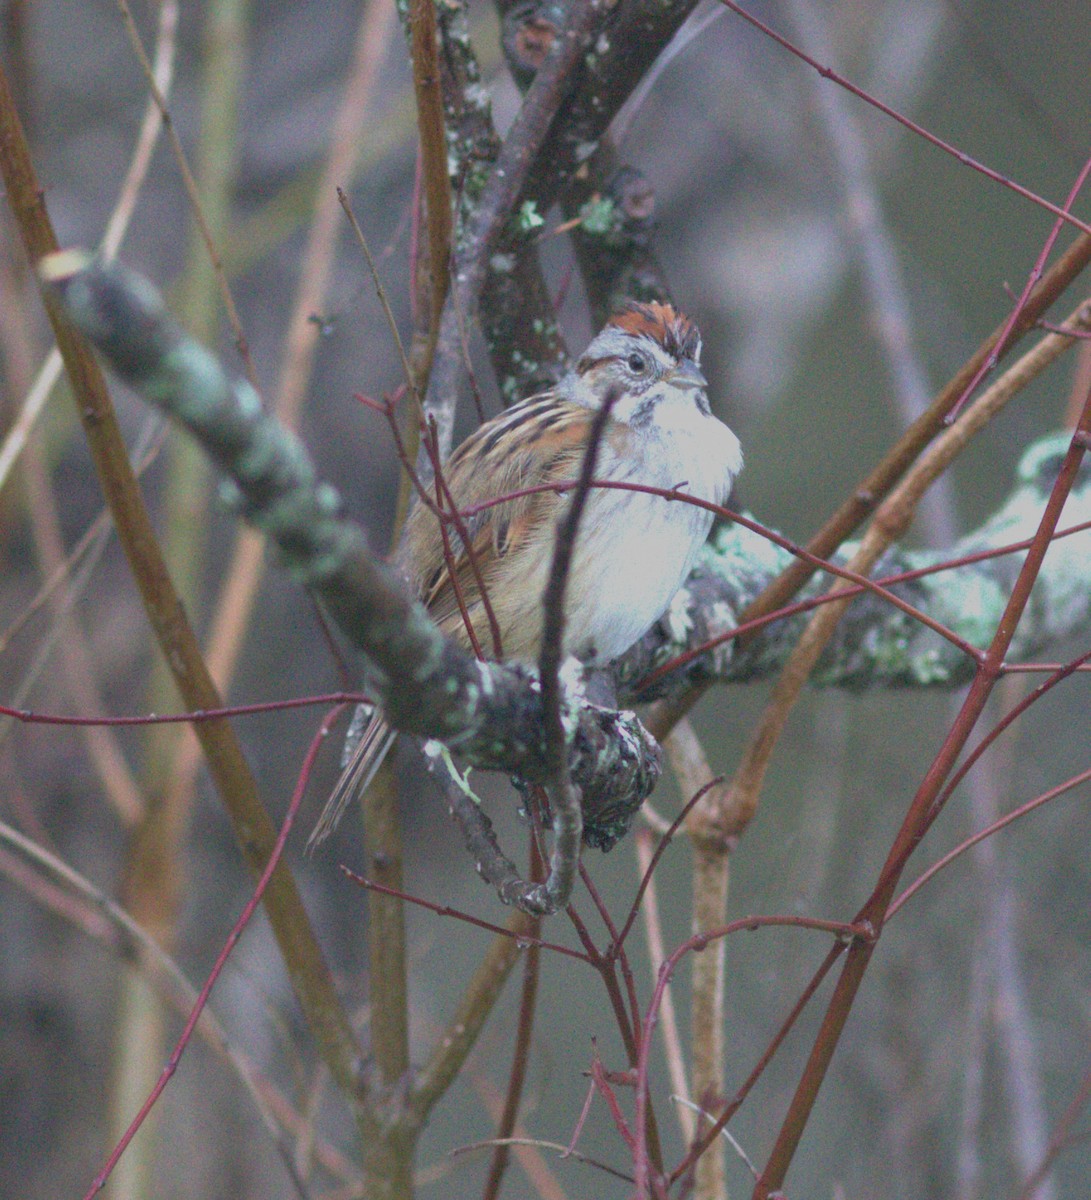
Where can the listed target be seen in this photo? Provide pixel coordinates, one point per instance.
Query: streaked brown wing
(532, 443)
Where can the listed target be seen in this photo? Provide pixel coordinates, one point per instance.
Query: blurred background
(841, 269)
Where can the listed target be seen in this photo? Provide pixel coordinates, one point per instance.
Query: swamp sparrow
(633, 551)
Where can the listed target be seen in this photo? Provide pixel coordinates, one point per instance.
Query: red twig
(698, 942)
(995, 827)
(965, 159)
(602, 1085)
(922, 811)
(660, 849)
(606, 969)
(616, 950)
(205, 714)
(862, 582)
(1036, 271)
(1059, 675)
(445, 910)
(581, 1120)
(221, 961)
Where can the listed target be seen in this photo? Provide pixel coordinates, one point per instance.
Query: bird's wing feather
(535, 442)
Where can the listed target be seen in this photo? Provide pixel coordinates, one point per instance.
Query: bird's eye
(637, 363)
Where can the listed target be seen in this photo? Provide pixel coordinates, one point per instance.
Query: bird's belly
(626, 570)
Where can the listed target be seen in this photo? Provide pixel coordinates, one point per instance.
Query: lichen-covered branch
(615, 208)
(489, 713)
(877, 645)
(492, 714)
(524, 342)
(627, 45)
(484, 228)
(578, 64)
(609, 203)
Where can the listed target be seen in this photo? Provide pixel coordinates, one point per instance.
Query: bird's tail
(357, 775)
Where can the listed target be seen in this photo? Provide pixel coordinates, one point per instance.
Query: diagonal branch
(922, 811)
(256, 834)
(482, 229)
(490, 713)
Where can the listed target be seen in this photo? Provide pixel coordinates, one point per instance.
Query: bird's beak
(687, 375)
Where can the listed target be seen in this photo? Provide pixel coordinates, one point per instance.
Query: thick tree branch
(482, 229)
(525, 345)
(489, 713)
(877, 645)
(254, 830)
(628, 43)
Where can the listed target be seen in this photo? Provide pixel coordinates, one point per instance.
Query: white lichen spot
(248, 400)
(438, 754)
(502, 264)
(602, 46)
(1033, 460)
(930, 667)
(528, 217)
(477, 95)
(485, 674)
(572, 677)
(327, 498)
(679, 623)
(229, 494)
(584, 150)
(598, 215)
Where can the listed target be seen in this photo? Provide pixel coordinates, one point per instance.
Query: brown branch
(433, 143)
(256, 834)
(921, 812)
(879, 482)
(479, 234)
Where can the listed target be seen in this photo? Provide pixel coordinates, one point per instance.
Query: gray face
(645, 371)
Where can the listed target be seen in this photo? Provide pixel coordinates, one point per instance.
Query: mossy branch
(489, 713)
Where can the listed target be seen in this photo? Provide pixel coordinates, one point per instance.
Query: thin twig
(564, 798)
(520, 1058)
(221, 961)
(380, 291)
(15, 438)
(173, 632)
(193, 194)
(959, 155)
(1061, 789)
